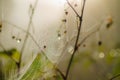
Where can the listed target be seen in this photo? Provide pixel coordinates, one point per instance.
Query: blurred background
(54, 29)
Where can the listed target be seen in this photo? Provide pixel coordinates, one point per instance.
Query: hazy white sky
(47, 20)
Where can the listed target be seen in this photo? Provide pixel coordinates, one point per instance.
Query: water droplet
(44, 46)
(18, 40)
(64, 20)
(59, 36)
(113, 53)
(13, 37)
(66, 12)
(109, 22)
(101, 55)
(84, 45)
(65, 32)
(100, 43)
(70, 50)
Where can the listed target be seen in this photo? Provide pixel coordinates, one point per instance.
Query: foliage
(40, 67)
(8, 67)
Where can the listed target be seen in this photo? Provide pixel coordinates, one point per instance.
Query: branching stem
(27, 34)
(77, 38)
(73, 8)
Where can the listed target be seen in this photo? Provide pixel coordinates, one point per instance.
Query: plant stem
(114, 77)
(85, 38)
(78, 34)
(73, 8)
(18, 27)
(27, 34)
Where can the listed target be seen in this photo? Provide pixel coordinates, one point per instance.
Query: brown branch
(63, 76)
(114, 77)
(73, 8)
(78, 34)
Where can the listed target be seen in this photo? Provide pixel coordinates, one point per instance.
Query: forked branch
(77, 38)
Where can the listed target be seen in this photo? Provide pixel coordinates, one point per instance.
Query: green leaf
(41, 67)
(13, 53)
(8, 67)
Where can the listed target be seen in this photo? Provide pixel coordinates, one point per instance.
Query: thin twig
(73, 8)
(13, 25)
(114, 77)
(18, 27)
(79, 44)
(27, 34)
(34, 40)
(76, 42)
(63, 76)
(85, 38)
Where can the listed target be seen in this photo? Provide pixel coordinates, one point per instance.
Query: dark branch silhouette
(78, 34)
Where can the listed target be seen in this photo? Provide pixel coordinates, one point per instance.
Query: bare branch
(76, 42)
(63, 76)
(13, 25)
(87, 37)
(73, 8)
(114, 77)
